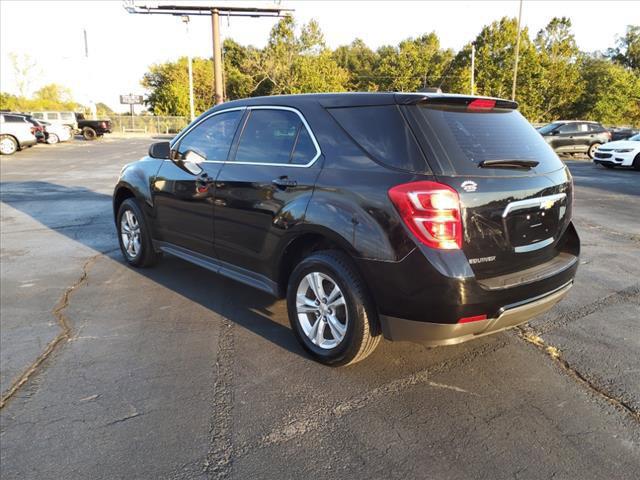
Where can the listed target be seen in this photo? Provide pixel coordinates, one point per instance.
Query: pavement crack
(621, 296)
(324, 417)
(218, 464)
(64, 334)
(530, 335)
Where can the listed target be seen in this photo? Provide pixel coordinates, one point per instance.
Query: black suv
(423, 217)
(575, 136)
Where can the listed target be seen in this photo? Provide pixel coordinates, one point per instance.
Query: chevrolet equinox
(430, 218)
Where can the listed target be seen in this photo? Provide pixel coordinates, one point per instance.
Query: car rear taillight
(431, 211)
(103, 124)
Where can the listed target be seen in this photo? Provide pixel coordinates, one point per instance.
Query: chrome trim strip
(532, 202)
(259, 107)
(534, 246)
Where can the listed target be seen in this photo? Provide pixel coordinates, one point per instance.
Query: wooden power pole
(214, 13)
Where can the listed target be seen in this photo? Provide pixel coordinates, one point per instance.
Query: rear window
(384, 134)
(457, 140)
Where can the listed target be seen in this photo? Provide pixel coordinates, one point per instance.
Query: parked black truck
(92, 129)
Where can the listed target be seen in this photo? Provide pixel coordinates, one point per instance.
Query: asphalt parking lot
(174, 372)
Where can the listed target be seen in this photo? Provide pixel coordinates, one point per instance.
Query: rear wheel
(52, 139)
(592, 150)
(89, 133)
(133, 235)
(8, 145)
(330, 310)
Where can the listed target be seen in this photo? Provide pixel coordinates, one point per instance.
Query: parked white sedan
(54, 132)
(621, 153)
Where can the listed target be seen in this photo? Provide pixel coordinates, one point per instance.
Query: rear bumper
(434, 334)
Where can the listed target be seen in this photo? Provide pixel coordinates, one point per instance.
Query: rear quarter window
(456, 140)
(383, 133)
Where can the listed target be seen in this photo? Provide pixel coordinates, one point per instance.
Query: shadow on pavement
(81, 214)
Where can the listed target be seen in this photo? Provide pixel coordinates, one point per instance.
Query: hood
(620, 144)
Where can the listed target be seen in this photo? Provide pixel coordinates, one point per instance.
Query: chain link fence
(147, 123)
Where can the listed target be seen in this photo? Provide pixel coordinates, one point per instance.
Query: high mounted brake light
(481, 104)
(431, 211)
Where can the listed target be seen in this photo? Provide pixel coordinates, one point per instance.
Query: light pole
(185, 20)
(515, 66)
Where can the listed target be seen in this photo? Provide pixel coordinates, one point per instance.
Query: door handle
(284, 182)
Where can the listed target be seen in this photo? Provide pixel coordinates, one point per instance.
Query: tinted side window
(13, 119)
(594, 127)
(569, 128)
(212, 138)
(304, 150)
(275, 136)
(383, 133)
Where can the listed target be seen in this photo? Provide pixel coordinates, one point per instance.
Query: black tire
(9, 145)
(89, 133)
(636, 162)
(362, 331)
(592, 150)
(145, 255)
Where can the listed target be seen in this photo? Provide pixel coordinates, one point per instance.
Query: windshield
(635, 138)
(459, 140)
(549, 127)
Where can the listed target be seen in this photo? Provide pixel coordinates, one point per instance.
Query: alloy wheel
(322, 310)
(130, 233)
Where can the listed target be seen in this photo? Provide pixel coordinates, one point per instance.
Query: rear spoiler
(469, 102)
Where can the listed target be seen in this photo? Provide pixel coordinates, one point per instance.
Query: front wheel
(592, 150)
(330, 311)
(8, 145)
(636, 162)
(52, 139)
(133, 235)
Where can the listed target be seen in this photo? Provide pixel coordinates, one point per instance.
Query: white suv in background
(67, 119)
(15, 134)
(621, 153)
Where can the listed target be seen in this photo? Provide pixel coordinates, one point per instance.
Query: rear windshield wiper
(508, 164)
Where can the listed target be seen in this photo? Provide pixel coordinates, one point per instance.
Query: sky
(122, 45)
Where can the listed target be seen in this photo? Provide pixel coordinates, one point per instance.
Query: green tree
(415, 63)
(495, 59)
(627, 50)
(560, 82)
(168, 84)
(293, 63)
(360, 61)
(611, 95)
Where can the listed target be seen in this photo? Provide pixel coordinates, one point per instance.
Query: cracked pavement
(176, 373)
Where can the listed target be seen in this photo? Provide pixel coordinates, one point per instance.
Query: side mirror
(160, 150)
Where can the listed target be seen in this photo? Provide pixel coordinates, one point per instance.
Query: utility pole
(473, 68)
(217, 56)
(214, 13)
(92, 104)
(185, 20)
(515, 66)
